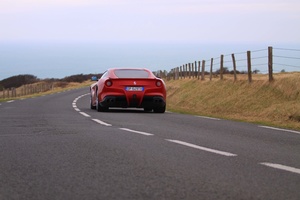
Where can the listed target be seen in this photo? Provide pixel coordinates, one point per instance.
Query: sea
(61, 59)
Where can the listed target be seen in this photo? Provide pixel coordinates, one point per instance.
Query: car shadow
(127, 110)
(122, 110)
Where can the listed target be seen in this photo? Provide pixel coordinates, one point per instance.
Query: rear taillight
(108, 83)
(158, 83)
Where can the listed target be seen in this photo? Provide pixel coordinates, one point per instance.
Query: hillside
(276, 103)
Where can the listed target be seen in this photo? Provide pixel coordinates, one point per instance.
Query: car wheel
(92, 106)
(100, 108)
(160, 109)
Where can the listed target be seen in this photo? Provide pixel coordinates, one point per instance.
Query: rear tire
(92, 106)
(100, 108)
(160, 109)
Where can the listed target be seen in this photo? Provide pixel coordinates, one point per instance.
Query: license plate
(134, 88)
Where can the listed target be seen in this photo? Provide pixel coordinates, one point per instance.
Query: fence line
(25, 90)
(251, 62)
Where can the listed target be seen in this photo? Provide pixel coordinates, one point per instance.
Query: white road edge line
(10, 101)
(223, 153)
(280, 129)
(101, 122)
(282, 167)
(207, 117)
(77, 109)
(139, 132)
(84, 114)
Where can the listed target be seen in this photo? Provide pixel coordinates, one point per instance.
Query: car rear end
(134, 92)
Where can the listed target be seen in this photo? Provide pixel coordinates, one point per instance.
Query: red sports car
(129, 87)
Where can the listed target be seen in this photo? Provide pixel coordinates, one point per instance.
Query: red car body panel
(129, 87)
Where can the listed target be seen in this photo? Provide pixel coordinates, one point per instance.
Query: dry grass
(57, 87)
(276, 103)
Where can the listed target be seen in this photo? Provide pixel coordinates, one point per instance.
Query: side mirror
(94, 78)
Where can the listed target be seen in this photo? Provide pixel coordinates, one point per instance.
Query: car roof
(127, 68)
(117, 73)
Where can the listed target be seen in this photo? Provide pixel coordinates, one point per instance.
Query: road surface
(56, 147)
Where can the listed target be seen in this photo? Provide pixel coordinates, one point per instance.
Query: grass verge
(274, 104)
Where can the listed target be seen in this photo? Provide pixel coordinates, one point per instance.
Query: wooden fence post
(189, 70)
(180, 72)
(234, 66)
(192, 70)
(198, 74)
(270, 63)
(174, 73)
(221, 67)
(186, 71)
(211, 68)
(14, 92)
(249, 66)
(196, 71)
(203, 70)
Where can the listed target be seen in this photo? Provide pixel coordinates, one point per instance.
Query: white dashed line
(101, 122)
(84, 114)
(139, 132)
(207, 117)
(280, 129)
(282, 167)
(223, 153)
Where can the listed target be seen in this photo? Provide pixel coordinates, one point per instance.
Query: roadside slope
(276, 103)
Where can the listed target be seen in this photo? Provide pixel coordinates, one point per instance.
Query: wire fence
(264, 61)
(25, 90)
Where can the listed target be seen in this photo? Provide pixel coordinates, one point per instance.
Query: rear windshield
(131, 73)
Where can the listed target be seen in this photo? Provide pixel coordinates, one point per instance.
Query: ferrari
(128, 88)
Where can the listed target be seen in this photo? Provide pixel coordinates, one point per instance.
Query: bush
(17, 81)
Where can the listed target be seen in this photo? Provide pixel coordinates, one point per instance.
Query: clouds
(150, 20)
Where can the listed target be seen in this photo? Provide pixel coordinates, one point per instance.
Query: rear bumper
(153, 102)
(121, 101)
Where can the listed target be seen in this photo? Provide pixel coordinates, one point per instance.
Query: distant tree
(75, 78)
(79, 78)
(225, 71)
(282, 71)
(256, 71)
(17, 81)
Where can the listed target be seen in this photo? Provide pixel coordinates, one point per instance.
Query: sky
(218, 22)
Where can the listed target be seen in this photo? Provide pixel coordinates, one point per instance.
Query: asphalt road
(55, 147)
